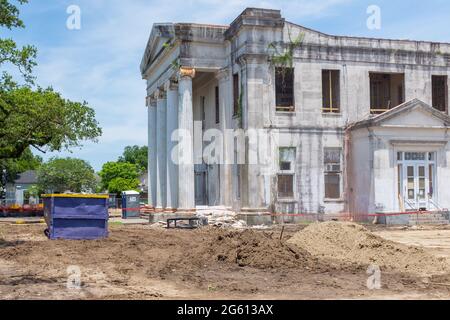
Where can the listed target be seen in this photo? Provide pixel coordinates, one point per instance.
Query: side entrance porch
(399, 163)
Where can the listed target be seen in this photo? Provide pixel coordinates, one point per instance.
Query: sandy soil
(353, 244)
(436, 241)
(140, 262)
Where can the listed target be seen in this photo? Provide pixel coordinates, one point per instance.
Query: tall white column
(186, 182)
(226, 107)
(161, 147)
(152, 152)
(172, 158)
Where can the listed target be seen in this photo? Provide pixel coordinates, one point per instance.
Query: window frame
(290, 172)
(382, 93)
(236, 94)
(288, 107)
(332, 74)
(445, 89)
(339, 173)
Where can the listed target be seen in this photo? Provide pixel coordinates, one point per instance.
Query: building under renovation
(348, 124)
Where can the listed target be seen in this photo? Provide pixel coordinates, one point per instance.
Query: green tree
(22, 58)
(118, 185)
(66, 174)
(27, 161)
(40, 118)
(136, 155)
(119, 176)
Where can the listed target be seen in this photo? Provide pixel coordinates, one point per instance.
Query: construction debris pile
(225, 218)
(350, 243)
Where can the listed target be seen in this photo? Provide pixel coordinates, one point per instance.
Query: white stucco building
(352, 125)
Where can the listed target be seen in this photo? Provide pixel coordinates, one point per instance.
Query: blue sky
(100, 62)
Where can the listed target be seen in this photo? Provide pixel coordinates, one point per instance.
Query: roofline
(273, 17)
(366, 38)
(225, 26)
(194, 24)
(374, 121)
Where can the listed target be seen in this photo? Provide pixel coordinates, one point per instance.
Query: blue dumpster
(131, 206)
(76, 216)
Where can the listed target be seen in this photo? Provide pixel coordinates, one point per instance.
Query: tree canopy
(27, 161)
(35, 117)
(42, 119)
(136, 155)
(66, 174)
(119, 176)
(22, 58)
(119, 185)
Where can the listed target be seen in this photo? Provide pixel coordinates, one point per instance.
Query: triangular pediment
(161, 33)
(411, 114)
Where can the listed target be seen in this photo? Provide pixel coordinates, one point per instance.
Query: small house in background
(16, 192)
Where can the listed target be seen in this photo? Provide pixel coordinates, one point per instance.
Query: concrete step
(435, 218)
(427, 218)
(429, 221)
(432, 215)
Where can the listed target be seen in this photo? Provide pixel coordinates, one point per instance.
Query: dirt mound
(349, 243)
(141, 262)
(254, 249)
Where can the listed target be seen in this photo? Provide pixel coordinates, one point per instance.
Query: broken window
(235, 94)
(330, 91)
(286, 172)
(284, 86)
(333, 173)
(386, 91)
(440, 92)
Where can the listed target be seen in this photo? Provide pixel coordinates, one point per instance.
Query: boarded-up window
(235, 94)
(286, 172)
(217, 102)
(330, 91)
(333, 173)
(284, 86)
(440, 92)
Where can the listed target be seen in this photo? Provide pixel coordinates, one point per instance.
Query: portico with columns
(191, 72)
(179, 93)
(170, 110)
